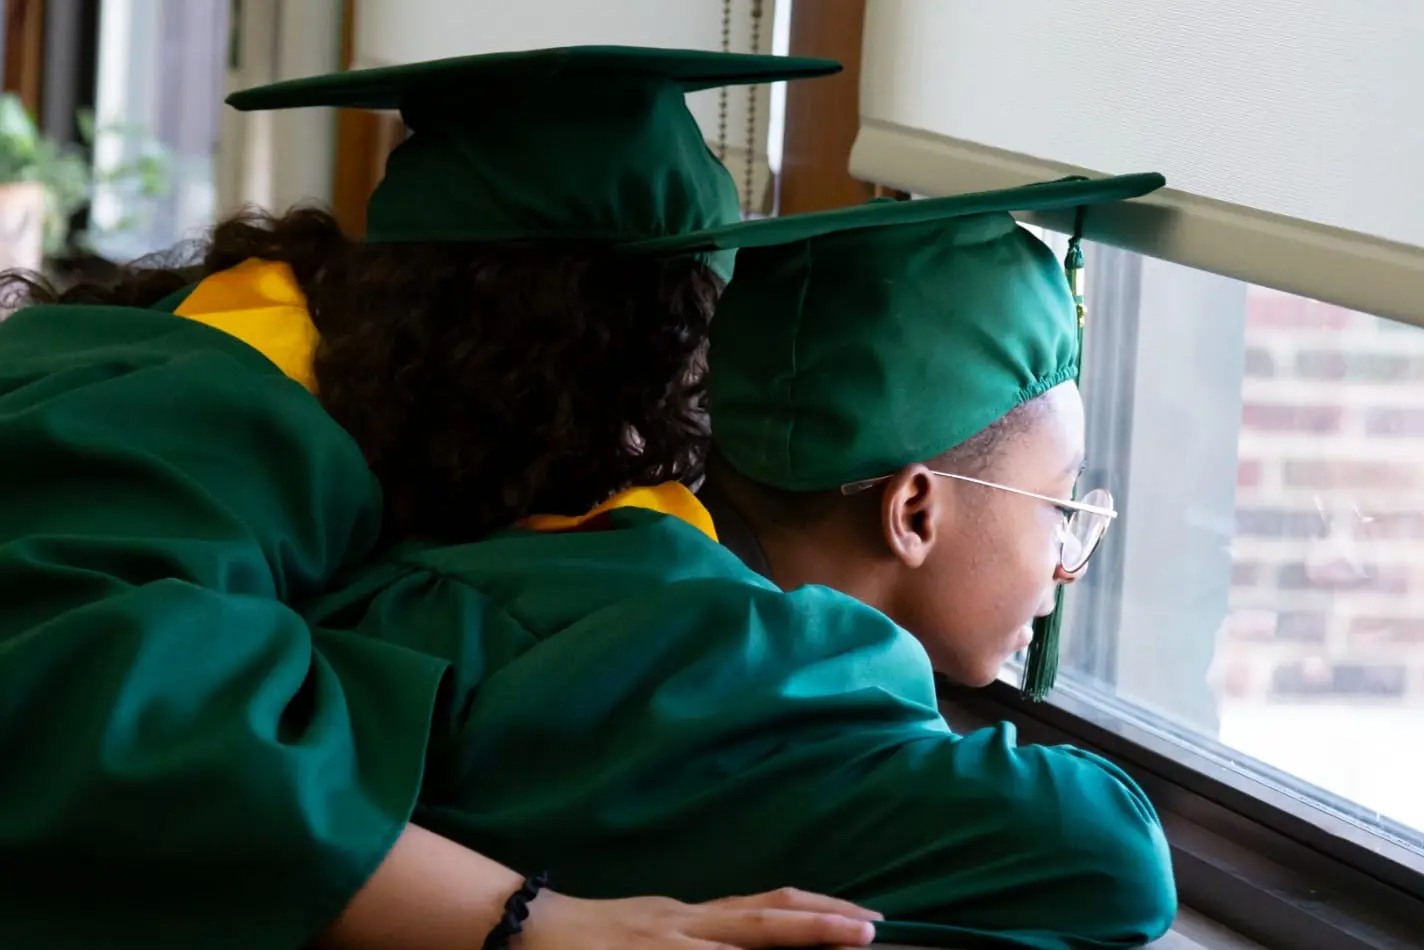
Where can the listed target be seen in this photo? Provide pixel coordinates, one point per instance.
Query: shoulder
(1072, 822)
(818, 617)
(799, 646)
(56, 337)
(168, 429)
(430, 612)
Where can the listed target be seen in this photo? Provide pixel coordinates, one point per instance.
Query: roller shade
(1290, 131)
(391, 32)
(276, 159)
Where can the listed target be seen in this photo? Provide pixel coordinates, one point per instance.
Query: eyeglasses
(1085, 522)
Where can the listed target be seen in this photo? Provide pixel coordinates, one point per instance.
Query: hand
(784, 918)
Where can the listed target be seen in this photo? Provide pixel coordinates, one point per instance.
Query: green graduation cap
(591, 144)
(856, 341)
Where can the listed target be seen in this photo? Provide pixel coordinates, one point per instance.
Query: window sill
(1242, 882)
(1192, 931)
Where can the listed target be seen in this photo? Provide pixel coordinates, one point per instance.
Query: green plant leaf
(19, 140)
(84, 120)
(67, 174)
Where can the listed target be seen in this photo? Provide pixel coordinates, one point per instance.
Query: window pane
(158, 100)
(1263, 589)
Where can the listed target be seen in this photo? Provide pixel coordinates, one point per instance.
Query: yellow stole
(259, 303)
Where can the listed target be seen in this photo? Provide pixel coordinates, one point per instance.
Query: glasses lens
(1085, 531)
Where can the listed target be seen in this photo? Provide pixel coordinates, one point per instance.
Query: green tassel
(1041, 668)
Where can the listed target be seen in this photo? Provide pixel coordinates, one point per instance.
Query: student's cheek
(1037, 566)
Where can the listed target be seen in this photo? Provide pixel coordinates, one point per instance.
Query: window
(158, 94)
(1262, 594)
(1248, 641)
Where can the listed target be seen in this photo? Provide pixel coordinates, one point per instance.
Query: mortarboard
(856, 341)
(587, 144)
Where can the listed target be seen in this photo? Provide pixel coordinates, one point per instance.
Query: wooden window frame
(24, 51)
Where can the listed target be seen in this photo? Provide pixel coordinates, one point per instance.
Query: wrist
(543, 928)
(516, 912)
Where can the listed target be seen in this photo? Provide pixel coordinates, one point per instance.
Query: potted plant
(43, 183)
(38, 183)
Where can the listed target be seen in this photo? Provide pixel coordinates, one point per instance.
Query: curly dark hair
(483, 383)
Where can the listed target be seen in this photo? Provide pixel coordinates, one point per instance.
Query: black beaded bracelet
(516, 910)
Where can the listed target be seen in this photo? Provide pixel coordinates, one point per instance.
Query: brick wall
(1328, 560)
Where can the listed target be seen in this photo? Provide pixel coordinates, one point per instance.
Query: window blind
(273, 159)
(390, 32)
(1290, 131)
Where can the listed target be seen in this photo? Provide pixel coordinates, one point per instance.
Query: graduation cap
(856, 341)
(590, 144)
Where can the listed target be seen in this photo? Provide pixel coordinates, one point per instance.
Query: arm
(185, 762)
(792, 739)
(1052, 846)
(432, 894)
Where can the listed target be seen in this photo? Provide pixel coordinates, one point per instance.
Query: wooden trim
(24, 50)
(885, 191)
(823, 115)
(70, 64)
(363, 141)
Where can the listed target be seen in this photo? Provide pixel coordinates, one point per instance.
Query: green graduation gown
(635, 711)
(183, 761)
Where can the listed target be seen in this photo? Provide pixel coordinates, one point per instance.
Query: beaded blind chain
(749, 172)
(748, 203)
(722, 91)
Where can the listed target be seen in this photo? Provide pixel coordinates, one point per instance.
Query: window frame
(1137, 348)
(1275, 866)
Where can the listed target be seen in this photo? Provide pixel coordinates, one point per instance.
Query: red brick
(1238, 679)
(1389, 579)
(1245, 574)
(1252, 626)
(1408, 423)
(1320, 364)
(1277, 523)
(1278, 417)
(1359, 367)
(1248, 473)
(1316, 676)
(1397, 525)
(1387, 629)
(1350, 473)
(1274, 311)
(1260, 364)
(1305, 626)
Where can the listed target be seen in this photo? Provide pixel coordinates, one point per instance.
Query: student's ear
(910, 513)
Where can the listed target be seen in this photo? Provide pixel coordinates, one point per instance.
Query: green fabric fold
(186, 762)
(637, 712)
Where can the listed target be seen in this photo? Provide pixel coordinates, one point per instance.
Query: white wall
(402, 31)
(1288, 129)
(277, 159)
(390, 32)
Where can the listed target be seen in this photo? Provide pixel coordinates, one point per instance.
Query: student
(186, 761)
(893, 397)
